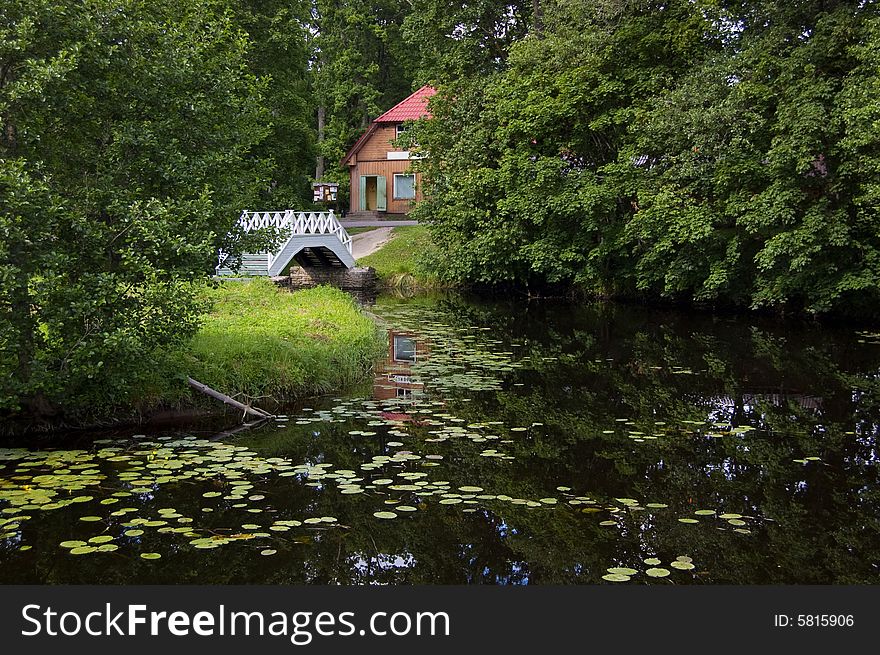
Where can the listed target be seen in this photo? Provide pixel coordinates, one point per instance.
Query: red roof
(409, 109)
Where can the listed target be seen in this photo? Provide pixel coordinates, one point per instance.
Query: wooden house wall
(372, 159)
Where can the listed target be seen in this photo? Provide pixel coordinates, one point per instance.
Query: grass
(259, 341)
(397, 263)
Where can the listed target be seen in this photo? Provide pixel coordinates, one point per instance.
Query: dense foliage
(703, 150)
(127, 130)
(707, 150)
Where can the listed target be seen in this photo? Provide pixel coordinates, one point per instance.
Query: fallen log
(241, 428)
(204, 388)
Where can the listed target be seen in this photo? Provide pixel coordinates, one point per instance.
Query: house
(381, 180)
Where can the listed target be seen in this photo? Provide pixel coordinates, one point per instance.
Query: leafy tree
(762, 176)
(690, 150)
(127, 143)
(278, 52)
(455, 40)
(361, 68)
(517, 175)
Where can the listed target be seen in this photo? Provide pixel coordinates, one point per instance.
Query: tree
(278, 53)
(361, 68)
(127, 141)
(519, 181)
(764, 162)
(454, 40)
(708, 151)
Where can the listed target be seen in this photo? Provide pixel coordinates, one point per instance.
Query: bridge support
(347, 279)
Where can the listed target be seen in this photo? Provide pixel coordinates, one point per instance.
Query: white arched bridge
(311, 239)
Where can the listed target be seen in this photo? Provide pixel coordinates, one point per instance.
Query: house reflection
(394, 375)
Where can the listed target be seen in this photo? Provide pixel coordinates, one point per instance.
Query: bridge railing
(296, 223)
(299, 223)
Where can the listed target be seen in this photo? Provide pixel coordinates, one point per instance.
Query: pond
(501, 442)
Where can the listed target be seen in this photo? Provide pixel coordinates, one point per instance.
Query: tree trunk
(319, 164)
(537, 18)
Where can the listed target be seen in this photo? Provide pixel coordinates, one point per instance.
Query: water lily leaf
(682, 566)
(657, 572)
(652, 561)
(622, 571)
(72, 544)
(150, 556)
(268, 551)
(688, 521)
(83, 550)
(385, 515)
(616, 577)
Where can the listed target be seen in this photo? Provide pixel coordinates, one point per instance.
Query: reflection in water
(501, 443)
(394, 374)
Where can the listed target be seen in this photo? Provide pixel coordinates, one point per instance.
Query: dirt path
(366, 243)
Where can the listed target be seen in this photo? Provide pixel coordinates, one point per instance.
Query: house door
(373, 193)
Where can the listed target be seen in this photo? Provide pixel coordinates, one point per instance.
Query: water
(500, 443)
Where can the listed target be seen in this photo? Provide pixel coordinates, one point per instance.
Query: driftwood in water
(204, 388)
(241, 428)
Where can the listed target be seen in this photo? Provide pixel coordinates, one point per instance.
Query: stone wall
(347, 279)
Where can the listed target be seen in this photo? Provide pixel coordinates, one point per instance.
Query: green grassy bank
(402, 262)
(261, 344)
(260, 341)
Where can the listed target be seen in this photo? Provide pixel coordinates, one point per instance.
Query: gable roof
(410, 108)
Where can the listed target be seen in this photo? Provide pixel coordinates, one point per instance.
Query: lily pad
(83, 550)
(150, 556)
(616, 577)
(72, 544)
(657, 572)
(385, 515)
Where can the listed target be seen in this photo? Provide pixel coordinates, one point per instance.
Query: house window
(404, 349)
(401, 129)
(404, 187)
